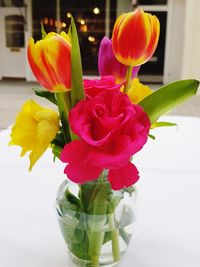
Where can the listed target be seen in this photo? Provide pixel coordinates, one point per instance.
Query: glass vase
(96, 222)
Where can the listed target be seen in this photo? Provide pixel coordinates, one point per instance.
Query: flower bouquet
(100, 125)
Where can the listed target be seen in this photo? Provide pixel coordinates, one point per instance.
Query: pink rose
(111, 130)
(95, 87)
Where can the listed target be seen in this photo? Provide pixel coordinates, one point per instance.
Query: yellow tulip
(34, 129)
(138, 91)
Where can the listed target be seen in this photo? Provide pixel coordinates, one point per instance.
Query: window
(11, 3)
(44, 12)
(14, 31)
(90, 19)
(152, 2)
(155, 66)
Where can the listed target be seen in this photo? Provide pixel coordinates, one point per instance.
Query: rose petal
(79, 169)
(82, 172)
(96, 87)
(123, 177)
(116, 155)
(75, 152)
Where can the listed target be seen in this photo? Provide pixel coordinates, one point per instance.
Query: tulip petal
(55, 49)
(50, 61)
(109, 65)
(139, 37)
(135, 37)
(155, 26)
(37, 66)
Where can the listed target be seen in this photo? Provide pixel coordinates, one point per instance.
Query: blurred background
(177, 55)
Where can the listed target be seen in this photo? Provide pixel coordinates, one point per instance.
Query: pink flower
(111, 130)
(95, 87)
(109, 65)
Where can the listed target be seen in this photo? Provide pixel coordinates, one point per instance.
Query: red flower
(111, 130)
(95, 87)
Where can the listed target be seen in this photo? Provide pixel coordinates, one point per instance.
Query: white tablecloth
(167, 230)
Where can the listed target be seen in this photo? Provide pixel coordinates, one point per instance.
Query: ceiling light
(91, 39)
(96, 10)
(82, 21)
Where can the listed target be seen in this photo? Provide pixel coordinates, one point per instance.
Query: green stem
(114, 237)
(96, 241)
(128, 78)
(63, 103)
(101, 178)
(64, 107)
(95, 260)
(97, 221)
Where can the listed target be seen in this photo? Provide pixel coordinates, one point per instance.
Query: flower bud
(135, 37)
(50, 61)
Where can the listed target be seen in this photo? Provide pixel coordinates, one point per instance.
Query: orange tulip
(50, 61)
(135, 37)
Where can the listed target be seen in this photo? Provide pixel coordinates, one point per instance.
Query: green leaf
(81, 250)
(162, 124)
(77, 92)
(151, 136)
(46, 94)
(67, 208)
(43, 32)
(168, 97)
(63, 104)
(107, 237)
(101, 201)
(58, 143)
(114, 202)
(72, 198)
(59, 140)
(56, 150)
(68, 227)
(130, 190)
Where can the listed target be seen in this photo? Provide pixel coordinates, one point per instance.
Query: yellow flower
(138, 91)
(34, 129)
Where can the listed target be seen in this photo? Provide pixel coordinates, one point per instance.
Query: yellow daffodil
(34, 129)
(138, 91)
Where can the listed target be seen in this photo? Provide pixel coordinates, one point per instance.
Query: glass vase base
(77, 262)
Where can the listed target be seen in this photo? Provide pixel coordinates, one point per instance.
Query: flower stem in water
(115, 238)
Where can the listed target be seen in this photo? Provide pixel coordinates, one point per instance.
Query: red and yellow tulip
(50, 61)
(135, 37)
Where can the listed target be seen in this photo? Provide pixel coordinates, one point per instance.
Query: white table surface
(167, 230)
